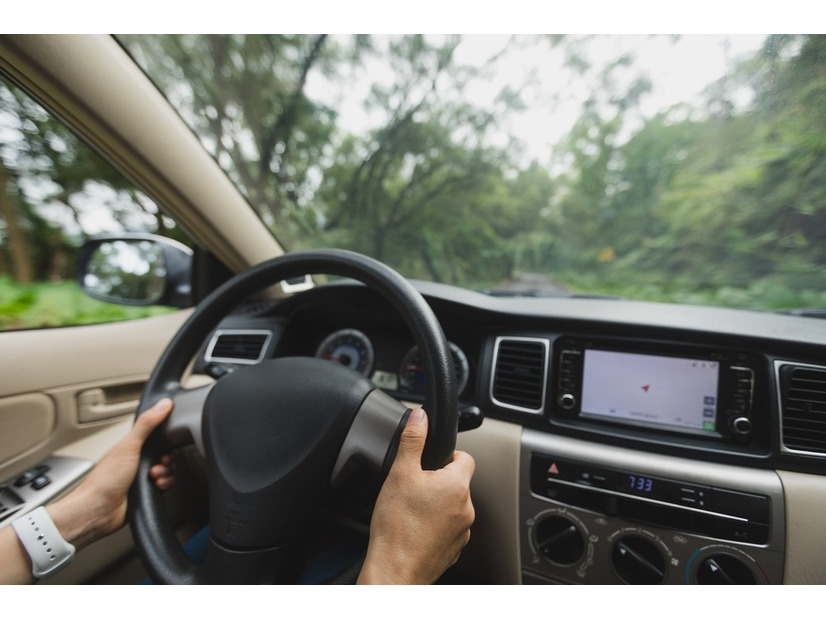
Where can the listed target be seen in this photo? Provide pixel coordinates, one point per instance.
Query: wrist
(43, 542)
(385, 570)
(78, 520)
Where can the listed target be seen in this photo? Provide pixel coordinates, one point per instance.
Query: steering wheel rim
(154, 535)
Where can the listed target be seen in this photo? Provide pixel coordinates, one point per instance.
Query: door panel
(58, 386)
(66, 396)
(26, 421)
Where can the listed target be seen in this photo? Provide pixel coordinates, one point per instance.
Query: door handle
(94, 404)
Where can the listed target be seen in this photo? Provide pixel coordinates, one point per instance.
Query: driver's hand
(422, 519)
(161, 473)
(98, 506)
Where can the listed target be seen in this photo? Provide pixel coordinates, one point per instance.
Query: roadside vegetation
(53, 304)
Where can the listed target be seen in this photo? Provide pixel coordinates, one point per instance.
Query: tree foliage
(722, 201)
(53, 189)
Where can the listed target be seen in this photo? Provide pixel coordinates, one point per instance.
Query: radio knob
(560, 540)
(638, 561)
(740, 425)
(567, 401)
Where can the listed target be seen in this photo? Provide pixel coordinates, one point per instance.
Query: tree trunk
(430, 264)
(22, 269)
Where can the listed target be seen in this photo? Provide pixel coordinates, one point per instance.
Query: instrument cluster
(354, 349)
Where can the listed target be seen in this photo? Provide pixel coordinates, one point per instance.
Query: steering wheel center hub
(271, 436)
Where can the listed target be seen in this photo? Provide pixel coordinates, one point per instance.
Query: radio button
(740, 425)
(567, 401)
(696, 497)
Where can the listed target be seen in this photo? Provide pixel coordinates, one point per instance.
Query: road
(538, 282)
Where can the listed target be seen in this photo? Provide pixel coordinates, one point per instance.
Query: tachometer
(411, 370)
(348, 347)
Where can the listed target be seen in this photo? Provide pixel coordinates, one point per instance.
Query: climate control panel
(602, 515)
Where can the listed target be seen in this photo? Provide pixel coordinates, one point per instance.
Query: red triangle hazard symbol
(553, 469)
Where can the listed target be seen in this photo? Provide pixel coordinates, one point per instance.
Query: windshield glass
(684, 168)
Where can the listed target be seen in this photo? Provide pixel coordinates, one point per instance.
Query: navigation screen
(650, 389)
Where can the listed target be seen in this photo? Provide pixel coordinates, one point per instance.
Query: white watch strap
(43, 542)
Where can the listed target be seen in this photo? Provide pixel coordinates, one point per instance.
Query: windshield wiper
(544, 293)
(815, 313)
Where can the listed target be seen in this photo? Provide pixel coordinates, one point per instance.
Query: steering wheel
(277, 435)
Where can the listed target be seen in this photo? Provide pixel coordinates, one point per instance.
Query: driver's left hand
(98, 506)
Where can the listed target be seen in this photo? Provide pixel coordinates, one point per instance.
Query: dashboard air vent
(803, 408)
(238, 346)
(520, 370)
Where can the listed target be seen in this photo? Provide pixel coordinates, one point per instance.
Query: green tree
(51, 183)
(410, 192)
(246, 98)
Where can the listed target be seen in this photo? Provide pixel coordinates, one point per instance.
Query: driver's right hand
(421, 521)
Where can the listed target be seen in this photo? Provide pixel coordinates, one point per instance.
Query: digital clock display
(640, 484)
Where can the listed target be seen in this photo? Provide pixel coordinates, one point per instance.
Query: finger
(162, 484)
(411, 443)
(151, 418)
(159, 471)
(463, 463)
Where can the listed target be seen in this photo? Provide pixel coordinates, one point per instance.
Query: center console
(596, 514)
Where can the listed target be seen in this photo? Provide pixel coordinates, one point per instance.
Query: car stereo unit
(704, 393)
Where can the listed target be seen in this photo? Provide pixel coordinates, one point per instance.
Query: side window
(56, 192)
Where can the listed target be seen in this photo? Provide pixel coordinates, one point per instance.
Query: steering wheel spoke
(373, 435)
(183, 427)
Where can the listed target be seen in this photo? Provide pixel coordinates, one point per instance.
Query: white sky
(698, 16)
(679, 72)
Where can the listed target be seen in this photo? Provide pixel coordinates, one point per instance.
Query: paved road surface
(539, 282)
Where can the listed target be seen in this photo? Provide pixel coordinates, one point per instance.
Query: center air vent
(803, 407)
(520, 370)
(238, 346)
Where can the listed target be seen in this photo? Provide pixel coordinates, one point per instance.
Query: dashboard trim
(778, 364)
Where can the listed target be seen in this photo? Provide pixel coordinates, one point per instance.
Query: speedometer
(348, 347)
(411, 370)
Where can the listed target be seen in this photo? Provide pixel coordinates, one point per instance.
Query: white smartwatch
(43, 542)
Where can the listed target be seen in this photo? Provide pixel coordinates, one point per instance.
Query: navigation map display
(674, 392)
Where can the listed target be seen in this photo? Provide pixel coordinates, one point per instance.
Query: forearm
(15, 567)
(75, 519)
(384, 565)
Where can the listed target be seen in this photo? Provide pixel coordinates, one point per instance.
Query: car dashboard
(622, 442)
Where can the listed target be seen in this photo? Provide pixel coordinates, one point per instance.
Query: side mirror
(136, 270)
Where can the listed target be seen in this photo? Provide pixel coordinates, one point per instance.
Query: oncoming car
(610, 294)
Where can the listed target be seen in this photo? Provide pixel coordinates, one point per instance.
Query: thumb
(411, 442)
(151, 418)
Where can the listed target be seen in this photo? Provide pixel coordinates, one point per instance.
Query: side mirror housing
(136, 270)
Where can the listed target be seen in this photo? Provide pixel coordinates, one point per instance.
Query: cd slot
(670, 504)
(660, 515)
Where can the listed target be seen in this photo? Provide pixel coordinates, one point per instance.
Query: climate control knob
(559, 540)
(638, 561)
(724, 569)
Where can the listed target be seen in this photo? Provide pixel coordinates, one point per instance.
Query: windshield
(674, 168)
